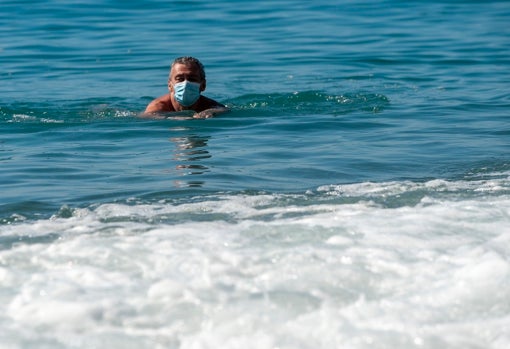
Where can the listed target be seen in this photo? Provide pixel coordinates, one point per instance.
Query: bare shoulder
(208, 103)
(160, 104)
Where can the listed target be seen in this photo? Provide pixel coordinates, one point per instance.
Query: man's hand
(209, 113)
(206, 114)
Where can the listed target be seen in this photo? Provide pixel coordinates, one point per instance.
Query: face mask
(186, 92)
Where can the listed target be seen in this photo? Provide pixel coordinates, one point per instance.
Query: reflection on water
(190, 151)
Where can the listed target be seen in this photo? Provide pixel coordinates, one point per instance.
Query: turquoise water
(357, 195)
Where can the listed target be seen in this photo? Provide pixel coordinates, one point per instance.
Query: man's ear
(203, 85)
(169, 86)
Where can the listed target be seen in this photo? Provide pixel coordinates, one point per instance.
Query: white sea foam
(254, 272)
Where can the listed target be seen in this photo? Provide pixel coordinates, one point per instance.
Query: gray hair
(187, 60)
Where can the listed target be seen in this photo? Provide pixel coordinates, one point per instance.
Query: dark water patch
(21, 211)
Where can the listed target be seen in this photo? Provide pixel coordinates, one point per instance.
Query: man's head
(187, 68)
(189, 61)
(186, 74)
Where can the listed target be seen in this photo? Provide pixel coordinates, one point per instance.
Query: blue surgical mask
(187, 92)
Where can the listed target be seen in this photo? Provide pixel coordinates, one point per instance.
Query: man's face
(181, 72)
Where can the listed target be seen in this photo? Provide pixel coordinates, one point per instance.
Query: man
(185, 84)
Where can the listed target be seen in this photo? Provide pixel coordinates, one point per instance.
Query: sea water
(356, 196)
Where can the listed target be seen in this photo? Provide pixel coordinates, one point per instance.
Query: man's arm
(209, 113)
(209, 108)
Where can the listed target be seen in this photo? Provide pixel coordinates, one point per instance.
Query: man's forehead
(180, 68)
